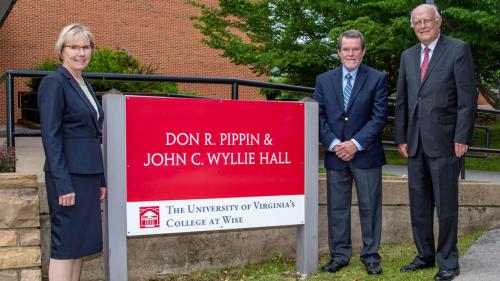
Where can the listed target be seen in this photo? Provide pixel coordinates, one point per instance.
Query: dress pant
(434, 182)
(339, 197)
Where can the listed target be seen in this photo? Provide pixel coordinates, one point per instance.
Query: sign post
(307, 233)
(188, 165)
(115, 238)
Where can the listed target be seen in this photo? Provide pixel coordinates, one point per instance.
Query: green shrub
(272, 94)
(7, 159)
(110, 61)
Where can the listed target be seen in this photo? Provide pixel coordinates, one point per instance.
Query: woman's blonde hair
(72, 31)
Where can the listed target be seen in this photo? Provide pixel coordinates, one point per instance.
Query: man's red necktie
(423, 68)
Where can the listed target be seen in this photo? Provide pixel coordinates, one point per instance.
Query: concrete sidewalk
(30, 156)
(481, 261)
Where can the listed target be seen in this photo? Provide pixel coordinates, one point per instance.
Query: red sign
(181, 149)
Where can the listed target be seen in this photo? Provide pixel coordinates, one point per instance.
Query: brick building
(156, 32)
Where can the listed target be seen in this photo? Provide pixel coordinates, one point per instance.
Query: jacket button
(346, 118)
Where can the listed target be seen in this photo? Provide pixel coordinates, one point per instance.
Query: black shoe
(447, 274)
(373, 267)
(414, 266)
(333, 266)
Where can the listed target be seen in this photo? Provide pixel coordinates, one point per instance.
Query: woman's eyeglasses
(77, 48)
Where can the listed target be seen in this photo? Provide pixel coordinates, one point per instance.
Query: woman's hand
(102, 193)
(67, 199)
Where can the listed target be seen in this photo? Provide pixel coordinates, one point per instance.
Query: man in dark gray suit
(435, 110)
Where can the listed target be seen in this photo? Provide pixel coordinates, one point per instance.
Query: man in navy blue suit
(352, 112)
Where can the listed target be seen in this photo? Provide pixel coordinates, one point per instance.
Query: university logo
(149, 216)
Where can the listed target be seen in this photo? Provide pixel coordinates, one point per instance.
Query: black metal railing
(11, 133)
(235, 83)
(473, 151)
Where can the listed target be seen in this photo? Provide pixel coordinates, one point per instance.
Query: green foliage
(110, 61)
(477, 22)
(7, 159)
(272, 94)
(297, 39)
(47, 64)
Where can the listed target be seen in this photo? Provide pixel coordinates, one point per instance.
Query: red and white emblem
(149, 216)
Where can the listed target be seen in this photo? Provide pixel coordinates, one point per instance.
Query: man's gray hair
(433, 6)
(352, 33)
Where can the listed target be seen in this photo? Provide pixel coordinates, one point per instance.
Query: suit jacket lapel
(436, 56)
(358, 84)
(337, 87)
(415, 62)
(81, 94)
(101, 115)
(98, 105)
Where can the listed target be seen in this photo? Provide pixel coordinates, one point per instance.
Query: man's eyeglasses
(349, 50)
(424, 22)
(77, 48)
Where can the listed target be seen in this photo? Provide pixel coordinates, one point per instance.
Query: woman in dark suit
(71, 121)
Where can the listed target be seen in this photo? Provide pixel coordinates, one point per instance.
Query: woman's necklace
(80, 82)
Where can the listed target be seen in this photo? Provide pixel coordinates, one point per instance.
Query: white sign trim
(177, 216)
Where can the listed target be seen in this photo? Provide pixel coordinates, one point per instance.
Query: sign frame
(115, 220)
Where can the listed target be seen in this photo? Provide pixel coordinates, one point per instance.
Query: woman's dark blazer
(70, 129)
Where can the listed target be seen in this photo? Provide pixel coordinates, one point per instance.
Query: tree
(110, 61)
(296, 40)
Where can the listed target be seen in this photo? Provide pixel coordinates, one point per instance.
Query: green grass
(280, 268)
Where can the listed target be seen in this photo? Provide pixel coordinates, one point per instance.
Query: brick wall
(20, 256)
(157, 32)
